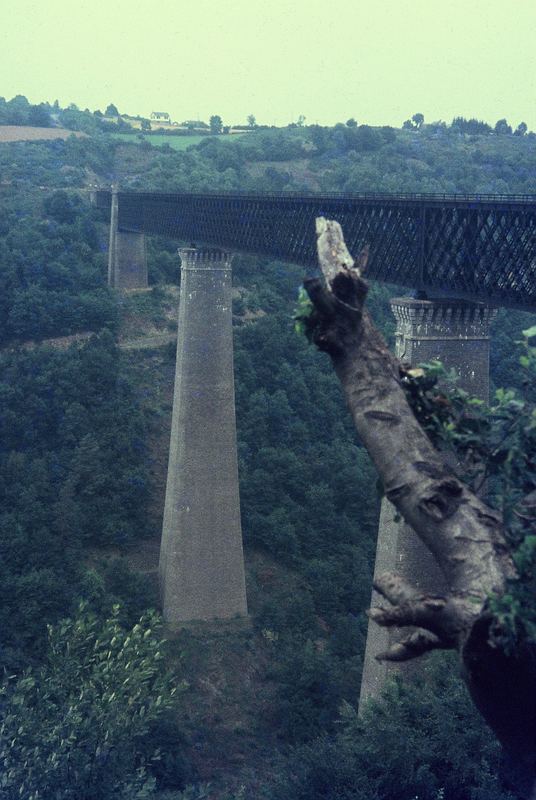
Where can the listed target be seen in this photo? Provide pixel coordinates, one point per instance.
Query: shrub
(78, 728)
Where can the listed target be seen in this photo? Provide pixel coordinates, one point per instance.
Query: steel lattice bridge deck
(476, 247)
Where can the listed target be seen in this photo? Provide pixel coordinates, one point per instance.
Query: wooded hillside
(270, 708)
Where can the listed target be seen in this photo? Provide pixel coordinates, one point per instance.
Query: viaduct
(461, 256)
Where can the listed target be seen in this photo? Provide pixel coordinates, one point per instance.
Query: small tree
(19, 102)
(145, 125)
(418, 120)
(502, 127)
(216, 124)
(39, 116)
(351, 123)
(111, 111)
(521, 129)
(252, 122)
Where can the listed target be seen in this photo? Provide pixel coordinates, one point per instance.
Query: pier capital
(204, 258)
(441, 318)
(455, 332)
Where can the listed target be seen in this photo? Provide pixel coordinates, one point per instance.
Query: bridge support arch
(201, 559)
(127, 254)
(457, 333)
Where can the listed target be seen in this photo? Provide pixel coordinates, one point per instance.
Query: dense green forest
(84, 425)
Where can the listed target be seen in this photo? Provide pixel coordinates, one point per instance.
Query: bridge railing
(318, 196)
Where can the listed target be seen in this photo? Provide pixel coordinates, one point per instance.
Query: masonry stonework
(127, 254)
(130, 261)
(201, 557)
(457, 333)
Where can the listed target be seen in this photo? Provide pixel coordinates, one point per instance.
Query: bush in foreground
(81, 727)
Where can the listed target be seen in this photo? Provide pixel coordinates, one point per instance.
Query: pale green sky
(379, 61)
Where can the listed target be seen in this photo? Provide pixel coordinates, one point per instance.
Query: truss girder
(478, 248)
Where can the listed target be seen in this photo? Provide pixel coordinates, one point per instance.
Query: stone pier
(457, 333)
(127, 254)
(201, 558)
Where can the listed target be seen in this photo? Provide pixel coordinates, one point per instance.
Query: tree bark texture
(463, 534)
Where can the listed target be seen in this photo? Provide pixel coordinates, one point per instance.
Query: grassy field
(176, 142)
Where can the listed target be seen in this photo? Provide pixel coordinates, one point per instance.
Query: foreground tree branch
(464, 535)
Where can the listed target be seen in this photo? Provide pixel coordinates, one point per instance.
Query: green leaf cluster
(495, 449)
(302, 314)
(77, 727)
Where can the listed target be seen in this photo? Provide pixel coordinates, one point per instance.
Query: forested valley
(98, 701)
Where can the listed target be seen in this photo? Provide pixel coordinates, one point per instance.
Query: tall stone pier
(127, 254)
(201, 558)
(457, 333)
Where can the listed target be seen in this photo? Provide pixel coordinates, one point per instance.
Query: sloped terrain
(25, 133)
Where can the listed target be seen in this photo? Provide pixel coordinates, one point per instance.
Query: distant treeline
(18, 111)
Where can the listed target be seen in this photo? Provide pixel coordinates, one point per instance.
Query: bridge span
(473, 247)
